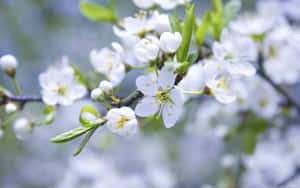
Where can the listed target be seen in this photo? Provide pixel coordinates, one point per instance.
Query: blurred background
(38, 33)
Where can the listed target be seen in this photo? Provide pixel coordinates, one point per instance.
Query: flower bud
(106, 86)
(10, 108)
(97, 94)
(23, 127)
(9, 64)
(170, 42)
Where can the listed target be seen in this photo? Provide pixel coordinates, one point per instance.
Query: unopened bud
(9, 64)
(10, 108)
(106, 86)
(97, 94)
(23, 128)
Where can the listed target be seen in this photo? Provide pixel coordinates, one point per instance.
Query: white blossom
(108, 63)
(144, 4)
(9, 64)
(60, 86)
(170, 4)
(147, 49)
(106, 86)
(23, 128)
(10, 107)
(122, 121)
(170, 42)
(161, 22)
(237, 52)
(159, 95)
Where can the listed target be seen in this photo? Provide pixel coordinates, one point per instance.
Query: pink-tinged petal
(148, 106)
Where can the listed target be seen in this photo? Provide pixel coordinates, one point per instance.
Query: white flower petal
(148, 106)
(147, 84)
(166, 79)
(171, 114)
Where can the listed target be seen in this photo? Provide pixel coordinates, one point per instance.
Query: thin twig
(20, 98)
(290, 178)
(261, 71)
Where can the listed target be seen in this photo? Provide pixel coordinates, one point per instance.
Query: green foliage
(175, 24)
(98, 13)
(70, 135)
(49, 115)
(231, 9)
(203, 28)
(86, 123)
(187, 32)
(85, 141)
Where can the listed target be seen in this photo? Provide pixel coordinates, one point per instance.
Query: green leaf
(202, 29)
(49, 114)
(175, 24)
(79, 75)
(186, 34)
(85, 141)
(193, 58)
(231, 9)
(70, 135)
(92, 114)
(98, 13)
(217, 19)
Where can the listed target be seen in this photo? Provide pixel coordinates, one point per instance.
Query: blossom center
(62, 91)
(121, 122)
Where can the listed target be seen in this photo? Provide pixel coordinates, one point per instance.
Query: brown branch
(261, 71)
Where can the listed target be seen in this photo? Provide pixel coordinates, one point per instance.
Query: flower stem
(107, 104)
(115, 99)
(140, 67)
(193, 92)
(16, 85)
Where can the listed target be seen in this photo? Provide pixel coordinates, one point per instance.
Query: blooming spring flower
(159, 95)
(237, 52)
(147, 49)
(218, 80)
(161, 22)
(97, 94)
(60, 86)
(122, 121)
(170, 42)
(144, 4)
(23, 127)
(9, 64)
(109, 63)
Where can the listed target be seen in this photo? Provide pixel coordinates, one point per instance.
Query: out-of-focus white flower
(236, 51)
(108, 63)
(252, 25)
(169, 4)
(122, 121)
(264, 99)
(147, 49)
(221, 131)
(159, 94)
(97, 94)
(60, 86)
(1, 133)
(23, 128)
(144, 4)
(170, 42)
(10, 108)
(228, 160)
(106, 86)
(161, 177)
(9, 64)
(161, 22)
